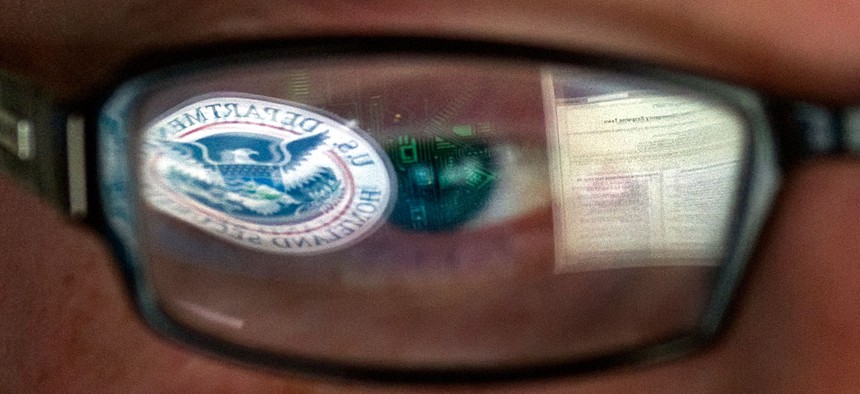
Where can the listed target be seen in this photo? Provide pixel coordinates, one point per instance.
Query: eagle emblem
(266, 174)
(250, 176)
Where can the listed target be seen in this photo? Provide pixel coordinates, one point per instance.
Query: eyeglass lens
(413, 211)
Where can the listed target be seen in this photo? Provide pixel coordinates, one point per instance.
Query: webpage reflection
(643, 177)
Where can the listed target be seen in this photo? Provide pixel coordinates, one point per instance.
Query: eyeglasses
(420, 210)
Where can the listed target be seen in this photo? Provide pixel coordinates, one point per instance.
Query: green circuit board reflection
(445, 172)
(443, 182)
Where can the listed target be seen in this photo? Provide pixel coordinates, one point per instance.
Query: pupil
(442, 183)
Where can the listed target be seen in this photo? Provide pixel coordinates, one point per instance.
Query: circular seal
(267, 174)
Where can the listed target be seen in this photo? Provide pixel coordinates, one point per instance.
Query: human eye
(461, 149)
(431, 211)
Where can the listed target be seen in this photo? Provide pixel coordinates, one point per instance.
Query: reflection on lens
(413, 212)
(443, 182)
(643, 176)
(265, 174)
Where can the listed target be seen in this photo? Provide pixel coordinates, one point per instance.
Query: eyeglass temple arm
(806, 130)
(851, 130)
(42, 146)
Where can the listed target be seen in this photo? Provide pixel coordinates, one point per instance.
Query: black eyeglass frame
(63, 139)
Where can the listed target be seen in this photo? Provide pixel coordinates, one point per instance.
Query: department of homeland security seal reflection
(266, 174)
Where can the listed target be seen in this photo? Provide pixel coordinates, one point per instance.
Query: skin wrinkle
(796, 331)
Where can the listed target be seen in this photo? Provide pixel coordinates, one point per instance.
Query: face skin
(66, 322)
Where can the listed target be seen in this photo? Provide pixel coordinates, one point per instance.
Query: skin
(67, 326)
